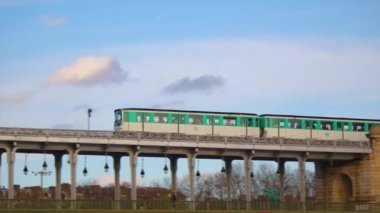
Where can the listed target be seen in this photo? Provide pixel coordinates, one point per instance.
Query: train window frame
(327, 125)
(312, 124)
(274, 123)
(229, 121)
(160, 118)
(195, 119)
(356, 125)
(295, 123)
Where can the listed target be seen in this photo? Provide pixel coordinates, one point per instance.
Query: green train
(242, 124)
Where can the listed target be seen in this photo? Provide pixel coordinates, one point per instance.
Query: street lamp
(166, 169)
(42, 173)
(142, 173)
(25, 170)
(198, 174)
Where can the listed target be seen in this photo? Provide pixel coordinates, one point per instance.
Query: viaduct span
(352, 167)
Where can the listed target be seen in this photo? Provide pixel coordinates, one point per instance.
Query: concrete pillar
(116, 167)
(191, 163)
(173, 170)
(248, 182)
(301, 168)
(73, 172)
(11, 160)
(281, 175)
(228, 163)
(58, 175)
(133, 165)
(1, 154)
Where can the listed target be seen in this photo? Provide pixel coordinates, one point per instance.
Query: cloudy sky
(60, 57)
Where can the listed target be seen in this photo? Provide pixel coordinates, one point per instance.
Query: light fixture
(142, 173)
(198, 174)
(166, 169)
(223, 170)
(251, 174)
(25, 170)
(44, 164)
(106, 167)
(85, 172)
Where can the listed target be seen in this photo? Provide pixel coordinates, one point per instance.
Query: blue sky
(60, 57)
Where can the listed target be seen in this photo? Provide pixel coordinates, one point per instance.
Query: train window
(195, 119)
(359, 127)
(243, 121)
(274, 123)
(216, 120)
(295, 124)
(160, 118)
(249, 121)
(327, 125)
(343, 126)
(181, 119)
(174, 118)
(311, 125)
(229, 121)
(282, 124)
(209, 120)
(246, 121)
(139, 117)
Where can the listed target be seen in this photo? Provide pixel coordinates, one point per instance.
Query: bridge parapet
(200, 141)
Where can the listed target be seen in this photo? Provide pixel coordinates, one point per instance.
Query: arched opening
(347, 188)
(342, 188)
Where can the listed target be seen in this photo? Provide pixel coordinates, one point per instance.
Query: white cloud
(89, 71)
(52, 21)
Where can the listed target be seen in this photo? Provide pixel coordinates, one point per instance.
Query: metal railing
(18, 204)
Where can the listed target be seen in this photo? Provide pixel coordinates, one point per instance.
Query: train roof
(318, 117)
(191, 111)
(251, 114)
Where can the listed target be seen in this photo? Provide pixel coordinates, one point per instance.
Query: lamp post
(42, 173)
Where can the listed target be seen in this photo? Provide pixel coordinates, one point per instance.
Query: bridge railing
(182, 137)
(185, 205)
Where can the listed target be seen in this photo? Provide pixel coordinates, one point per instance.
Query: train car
(323, 128)
(187, 122)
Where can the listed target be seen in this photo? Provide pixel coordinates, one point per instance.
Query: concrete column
(228, 163)
(191, 163)
(73, 171)
(58, 175)
(116, 166)
(1, 154)
(301, 168)
(248, 182)
(281, 175)
(173, 170)
(11, 160)
(133, 165)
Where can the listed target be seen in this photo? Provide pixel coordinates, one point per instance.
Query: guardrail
(20, 132)
(185, 205)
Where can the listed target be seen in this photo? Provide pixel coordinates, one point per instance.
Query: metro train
(242, 124)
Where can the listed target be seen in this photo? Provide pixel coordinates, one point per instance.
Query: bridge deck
(149, 143)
